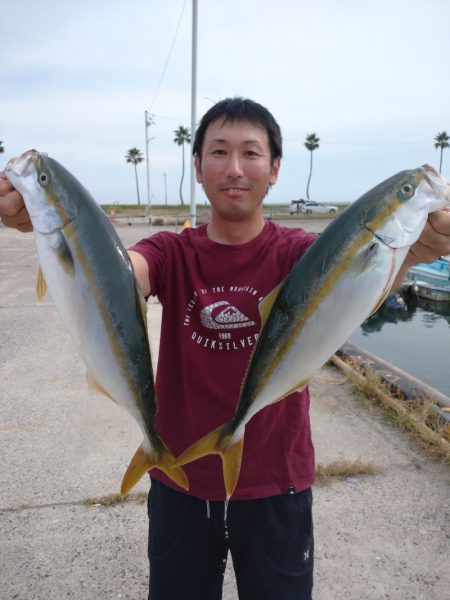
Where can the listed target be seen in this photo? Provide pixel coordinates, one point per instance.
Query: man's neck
(234, 233)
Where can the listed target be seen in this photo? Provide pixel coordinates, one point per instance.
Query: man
(210, 281)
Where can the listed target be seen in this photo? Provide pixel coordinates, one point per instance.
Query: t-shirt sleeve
(153, 249)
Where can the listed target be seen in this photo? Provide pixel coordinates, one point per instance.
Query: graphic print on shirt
(223, 318)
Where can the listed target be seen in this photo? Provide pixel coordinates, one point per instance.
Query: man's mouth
(234, 190)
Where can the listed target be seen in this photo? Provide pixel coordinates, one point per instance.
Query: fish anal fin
(41, 285)
(265, 306)
(143, 461)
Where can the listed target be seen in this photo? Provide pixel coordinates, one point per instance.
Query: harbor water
(415, 338)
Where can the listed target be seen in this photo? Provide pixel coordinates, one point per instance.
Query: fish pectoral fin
(41, 285)
(218, 442)
(142, 462)
(265, 306)
(65, 256)
(364, 259)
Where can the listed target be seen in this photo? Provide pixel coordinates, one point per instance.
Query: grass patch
(342, 469)
(114, 499)
(419, 417)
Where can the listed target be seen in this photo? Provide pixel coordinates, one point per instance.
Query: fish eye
(44, 178)
(406, 191)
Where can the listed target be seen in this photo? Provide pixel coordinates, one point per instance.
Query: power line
(168, 56)
(326, 143)
(375, 143)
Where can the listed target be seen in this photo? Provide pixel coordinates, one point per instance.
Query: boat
(429, 281)
(425, 290)
(436, 272)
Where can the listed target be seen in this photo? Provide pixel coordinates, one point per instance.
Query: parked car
(295, 205)
(309, 206)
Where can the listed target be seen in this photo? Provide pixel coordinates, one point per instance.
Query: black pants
(270, 541)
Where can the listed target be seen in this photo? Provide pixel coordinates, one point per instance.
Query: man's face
(236, 168)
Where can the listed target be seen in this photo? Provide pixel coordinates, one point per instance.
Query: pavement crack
(107, 501)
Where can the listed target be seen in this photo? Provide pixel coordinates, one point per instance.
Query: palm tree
(135, 157)
(442, 140)
(312, 143)
(182, 136)
(2, 148)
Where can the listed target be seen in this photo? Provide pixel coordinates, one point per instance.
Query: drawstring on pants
(225, 510)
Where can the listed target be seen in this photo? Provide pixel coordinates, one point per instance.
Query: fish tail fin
(218, 442)
(231, 464)
(143, 461)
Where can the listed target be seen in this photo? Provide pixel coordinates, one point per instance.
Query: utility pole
(165, 187)
(193, 216)
(149, 120)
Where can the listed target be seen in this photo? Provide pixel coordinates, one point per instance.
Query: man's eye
(219, 151)
(251, 153)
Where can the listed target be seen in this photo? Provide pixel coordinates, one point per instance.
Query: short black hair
(240, 109)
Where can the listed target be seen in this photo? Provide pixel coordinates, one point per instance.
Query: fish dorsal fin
(41, 286)
(265, 306)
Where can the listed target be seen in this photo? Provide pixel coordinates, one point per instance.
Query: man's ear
(198, 168)
(274, 169)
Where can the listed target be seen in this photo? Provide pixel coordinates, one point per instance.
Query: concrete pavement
(378, 537)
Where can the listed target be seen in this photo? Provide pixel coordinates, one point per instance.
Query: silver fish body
(343, 277)
(92, 284)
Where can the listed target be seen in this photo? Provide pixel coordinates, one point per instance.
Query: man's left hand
(434, 240)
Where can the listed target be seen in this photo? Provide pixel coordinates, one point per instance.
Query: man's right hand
(12, 207)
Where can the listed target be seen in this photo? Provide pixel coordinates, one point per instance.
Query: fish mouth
(435, 180)
(22, 165)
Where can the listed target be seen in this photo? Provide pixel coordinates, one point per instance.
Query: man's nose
(234, 166)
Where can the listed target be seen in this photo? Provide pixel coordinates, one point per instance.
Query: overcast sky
(369, 77)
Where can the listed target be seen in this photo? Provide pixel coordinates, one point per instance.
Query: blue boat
(429, 281)
(436, 272)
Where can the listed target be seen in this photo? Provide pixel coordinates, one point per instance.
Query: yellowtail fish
(343, 277)
(91, 280)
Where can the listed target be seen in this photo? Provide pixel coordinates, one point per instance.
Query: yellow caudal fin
(142, 462)
(232, 459)
(218, 442)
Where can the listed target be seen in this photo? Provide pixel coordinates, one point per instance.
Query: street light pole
(149, 120)
(193, 106)
(165, 187)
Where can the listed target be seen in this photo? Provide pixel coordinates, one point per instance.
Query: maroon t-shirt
(210, 294)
